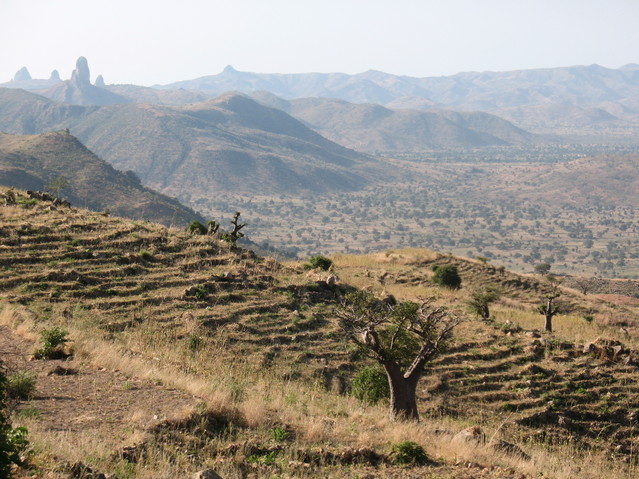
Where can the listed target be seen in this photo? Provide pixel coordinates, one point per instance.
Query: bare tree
(585, 285)
(403, 338)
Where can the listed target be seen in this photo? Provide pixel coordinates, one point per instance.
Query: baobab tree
(402, 337)
(549, 308)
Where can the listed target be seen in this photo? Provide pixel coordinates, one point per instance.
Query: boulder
(207, 474)
(190, 292)
(471, 434)
(508, 448)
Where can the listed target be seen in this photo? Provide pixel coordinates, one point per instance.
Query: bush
(320, 262)
(146, 255)
(447, 276)
(409, 453)
(52, 344)
(12, 441)
(196, 228)
(280, 434)
(21, 385)
(370, 385)
(542, 268)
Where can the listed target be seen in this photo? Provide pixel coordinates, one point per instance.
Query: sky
(157, 42)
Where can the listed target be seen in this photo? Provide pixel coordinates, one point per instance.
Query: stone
(22, 75)
(61, 371)
(508, 448)
(471, 434)
(207, 474)
(331, 280)
(99, 81)
(55, 75)
(190, 292)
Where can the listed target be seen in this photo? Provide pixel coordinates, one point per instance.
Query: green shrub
(146, 255)
(409, 453)
(200, 292)
(21, 385)
(447, 276)
(196, 228)
(52, 343)
(370, 385)
(280, 434)
(12, 441)
(195, 342)
(320, 262)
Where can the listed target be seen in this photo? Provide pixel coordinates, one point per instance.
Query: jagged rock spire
(99, 81)
(55, 75)
(22, 75)
(81, 75)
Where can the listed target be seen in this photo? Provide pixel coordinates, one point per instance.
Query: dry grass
(216, 348)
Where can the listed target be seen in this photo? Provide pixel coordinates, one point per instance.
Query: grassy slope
(258, 343)
(35, 161)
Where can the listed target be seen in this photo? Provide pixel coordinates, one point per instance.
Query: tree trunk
(403, 400)
(549, 314)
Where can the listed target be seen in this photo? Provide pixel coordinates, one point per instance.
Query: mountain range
(487, 91)
(374, 128)
(550, 100)
(228, 144)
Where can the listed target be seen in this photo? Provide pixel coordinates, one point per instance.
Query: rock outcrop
(22, 75)
(81, 76)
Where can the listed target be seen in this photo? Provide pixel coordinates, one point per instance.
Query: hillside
(606, 182)
(229, 144)
(196, 355)
(35, 161)
(373, 128)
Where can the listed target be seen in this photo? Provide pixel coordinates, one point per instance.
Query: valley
(514, 213)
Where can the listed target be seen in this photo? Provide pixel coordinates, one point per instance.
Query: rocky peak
(22, 75)
(99, 81)
(81, 75)
(55, 75)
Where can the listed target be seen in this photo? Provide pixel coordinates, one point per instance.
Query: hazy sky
(160, 41)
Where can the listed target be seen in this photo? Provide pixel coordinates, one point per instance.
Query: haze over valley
(316, 166)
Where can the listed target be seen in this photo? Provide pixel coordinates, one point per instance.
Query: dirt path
(89, 399)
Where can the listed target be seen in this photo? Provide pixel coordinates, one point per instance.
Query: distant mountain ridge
(577, 85)
(374, 128)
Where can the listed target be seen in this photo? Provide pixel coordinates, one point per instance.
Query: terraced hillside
(250, 353)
